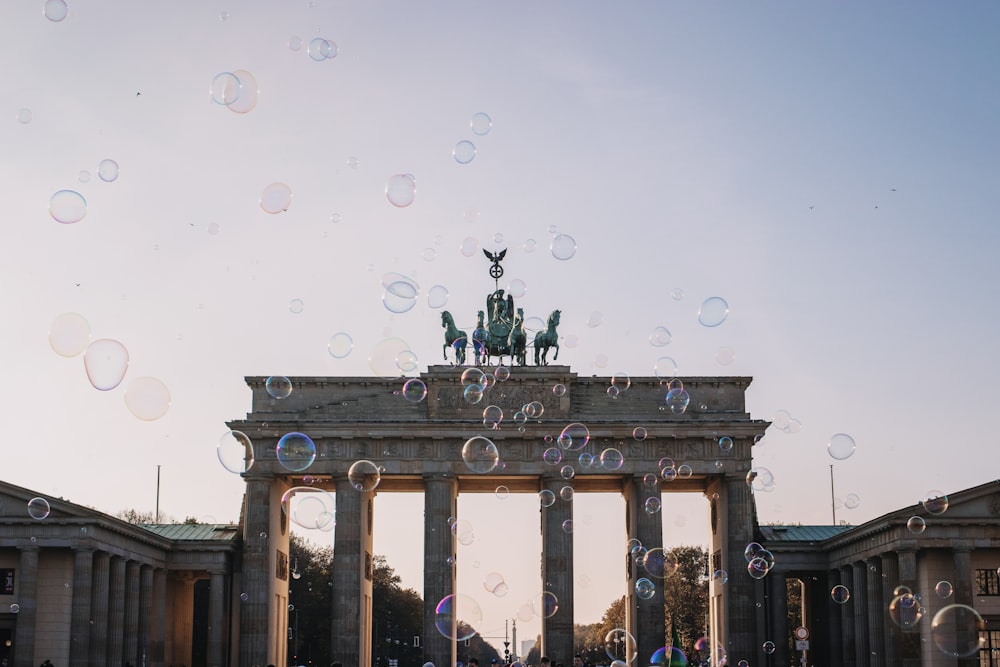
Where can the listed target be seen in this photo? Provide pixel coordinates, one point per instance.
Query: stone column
(557, 571)
(739, 593)
(256, 576)
(116, 613)
(216, 619)
(876, 613)
(962, 586)
(645, 619)
(145, 615)
(350, 633)
(835, 630)
(440, 503)
(859, 592)
(100, 596)
(892, 635)
(79, 647)
(158, 629)
(777, 584)
(27, 598)
(131, 645)
(847, 612)
(911, 645)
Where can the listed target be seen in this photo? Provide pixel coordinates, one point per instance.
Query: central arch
(418, 445)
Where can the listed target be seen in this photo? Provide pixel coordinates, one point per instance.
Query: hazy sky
(826, 168)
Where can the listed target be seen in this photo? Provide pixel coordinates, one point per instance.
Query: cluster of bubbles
(761, 479)
(934, 503)
(236, 90)
(399, 293)
(106, 361)
(759, 560)
(785, 422)
(69, 206)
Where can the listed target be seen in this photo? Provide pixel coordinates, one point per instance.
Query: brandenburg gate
(419, 447)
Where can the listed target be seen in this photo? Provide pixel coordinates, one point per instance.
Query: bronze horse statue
(454, 338)
(546, 339)
(517, 341)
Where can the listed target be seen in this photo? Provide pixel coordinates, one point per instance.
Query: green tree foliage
(135, 516)
(310, 601)
(685, 595)
(397, 617)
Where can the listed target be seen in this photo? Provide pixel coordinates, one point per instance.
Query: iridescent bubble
(916, 525)
(768, 647)
(612, 459)
(644, 588)
(906, 611)
(574, 437)
(935, 502)
(586, 460)
(322, 49)
(437, 296)
(15, 608)
(840, 594)
(720, 577)
(84, 176)
(567, 493)
(958, 631)
(552, 456)
(235, 452)
(665, 368)
(619, 644)
(225, 88)
(492, 416)
(841, 446)
(276, 198)
(473, 394)
(473, 377)
(660, 337)
(502, 373)
(400, 190)
(69, 334)
(38, 508)
(400, 296)
(309, 507)
(563, 247)
(652, 505)
(296, 451)
(757, 568)
(492, 581)
(725, 444)
(713, 311)
(364, 475)
(55, 10)
(567, 526)
(414, 390)
(567, 472)
(659, 564)
(278, 386)
(502, 492)
(147, 398)
(684, 471)
(759, 478)
(546, 498)
(639, 433)
(668, 473)
(107, 170)
(481, 123)
(67, 207)
(480, 454)
(464, 152)
(559, 390)
(106, 361)
(545, 605)
(247, 99)
(725, 356)
(944, 589)
(457, 617)
(340, 345)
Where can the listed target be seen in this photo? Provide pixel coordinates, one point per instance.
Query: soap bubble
(757, 568)
(414, 390)
(480, 454)
(457, 617)
(768, 647)
(106, 361)
(935, 503)
(944, 589)
(905, 611)
(296, 451)
(24, 116)
(713, 311)
(147, 398)
(278, 386)
(644, 588)
(364, 475)
(464, 152)
(340, 345)
(612, 459)
(492, 416)
(276, 198)
(481, 123)
(956, 630)
(107, 170)
(639, 433)
(725, 356)
(322, 49)
(225, 88)
(916, 525)
(69, 334)
(67, 207)
(840, 446)
(659, 564)
(400, 190)
(437, 296)
(725, 444)
(840, 594)
(247, 99)
(852, 501)
(619, 644)
(400, 296)
(574, 437)
(563, 247)
(546, 498)
(660, 337)
(235, 452)
(38, 508)
(652, 505)
(55, 10)
(720, 577)
(309, 507)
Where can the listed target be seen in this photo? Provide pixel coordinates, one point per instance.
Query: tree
(685, 595)
(397, 617)
(135, 516)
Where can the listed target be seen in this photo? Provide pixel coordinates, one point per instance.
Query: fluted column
(79, 647)
(99, 601)
(777, 583)
(256, 574)
(557, 569)
(739, 594)
(131, 644)
(876, 613)
(352, 575)
(116, 613)
(27, 598)
(862, 654)
(892, 636)
(962, 586)
(847, 612)
(144, 657)
(216, 619)
(645, 619)
(161, 627)
(440, 503)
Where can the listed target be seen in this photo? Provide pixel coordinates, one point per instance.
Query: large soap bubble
(956, 630)
(480, 454)
(296, 451)
(619, 644)
(147, 398)
(309, 507)
(67, 207)
(364, 475)
(713, 311)
(457, 617)
(235, 451)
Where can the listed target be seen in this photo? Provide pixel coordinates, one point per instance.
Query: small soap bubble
(595, 320)
(725, 444)
(322, 49)
(364, 475)
(480, 454)
(278, 386)
(517, 288)
(67, 207)
(225, 88)
(38, 508)
(437, 296)
(481, 123)
(464, 152)
(24, 116)
(660, 337)
(612, 459)
(295, 43)
(852, 501)
(529, 246)
(639, 433)
(296, 306)
(958, 631)
(841, 446)
(502, 492)
(652, 505)
(916, 525)
(665, 368)
(768, 647)
(935, 503)
(414, 390)
(563, 247)
(713, 311)
(720, 577)
(400, 190)
(84, 176)
(340, 345)
(678, 400)
(276, 198)
(235, 452)
(546, 498)
(644, 588)
(567, 526)
(840, 594)
(944, 589)
(55, 10)
(725, 356)
(400, 296)
(559, 390)
(677, 294)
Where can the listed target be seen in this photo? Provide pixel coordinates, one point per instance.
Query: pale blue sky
(828, 168)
